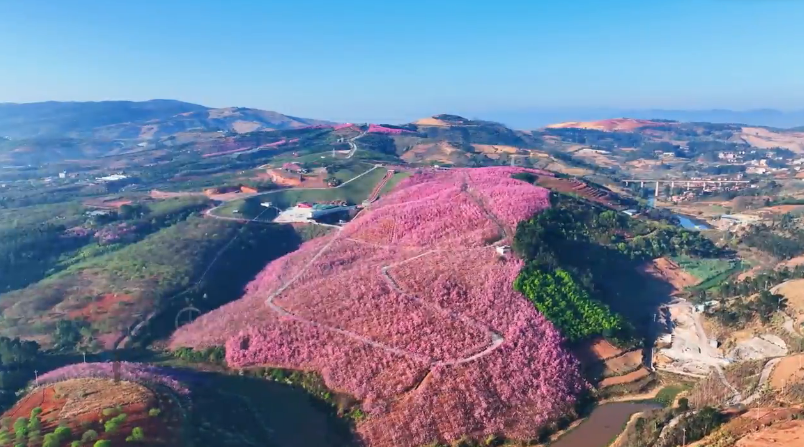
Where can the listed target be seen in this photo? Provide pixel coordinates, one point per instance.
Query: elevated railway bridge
(689, 184)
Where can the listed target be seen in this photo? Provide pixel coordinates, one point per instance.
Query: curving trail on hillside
(495, 339)
(412, 311)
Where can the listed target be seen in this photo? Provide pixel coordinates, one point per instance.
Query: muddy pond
(603, 425)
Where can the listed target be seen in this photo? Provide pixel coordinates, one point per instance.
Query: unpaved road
(496, 340)
(690, 350)
(353, 145)
(211, 212)
(764, 376)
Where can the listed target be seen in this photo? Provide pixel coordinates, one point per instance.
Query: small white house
(503, 250)
(112, 178)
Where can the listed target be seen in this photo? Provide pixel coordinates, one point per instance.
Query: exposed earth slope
(616, 124)
(351, 306)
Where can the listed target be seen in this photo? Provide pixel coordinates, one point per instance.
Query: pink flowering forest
(411, 309)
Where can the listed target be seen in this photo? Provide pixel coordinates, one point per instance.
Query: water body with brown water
(603, 425)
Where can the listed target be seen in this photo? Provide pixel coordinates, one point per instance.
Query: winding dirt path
(495, 339)
(764, 376)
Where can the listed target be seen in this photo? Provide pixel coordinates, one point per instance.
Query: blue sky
(365, 60)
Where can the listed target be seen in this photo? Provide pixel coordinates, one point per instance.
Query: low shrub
(89, 436)
(137, 434)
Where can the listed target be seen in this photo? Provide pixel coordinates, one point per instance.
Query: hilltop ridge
(135, 119)
(614, 124)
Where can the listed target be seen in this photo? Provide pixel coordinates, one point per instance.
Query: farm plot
(89, 405)
(354, 310)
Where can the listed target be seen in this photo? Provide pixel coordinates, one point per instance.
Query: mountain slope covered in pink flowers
(410, 308)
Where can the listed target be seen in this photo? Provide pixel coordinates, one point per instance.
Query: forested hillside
(582, 260)
(111, 284)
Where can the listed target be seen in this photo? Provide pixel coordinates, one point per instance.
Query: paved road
(354, 145)
(764, 376)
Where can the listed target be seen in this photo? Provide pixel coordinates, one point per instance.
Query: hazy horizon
(358, 60)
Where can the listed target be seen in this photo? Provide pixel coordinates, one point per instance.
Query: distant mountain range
(134, 120)
(536, 118)
(130, 120)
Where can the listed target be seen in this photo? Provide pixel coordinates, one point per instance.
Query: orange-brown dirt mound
(575, 186)
(80, 403)
(670, 272)
(789, 371)
(596, 350)
(760, 427)
(616, 124)
(626, 378)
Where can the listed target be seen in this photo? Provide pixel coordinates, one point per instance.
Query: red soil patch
(283, 178)
(111, 204)
(624, 363)
(788, 433)
(626, 378)
(761, 427)
(749, 273)
(79, 403)
(670, 272)
(615, 360)
(575, 186)
(101, 306)
(44, 398)
(616, 124)
(792, 263)
(596, 350)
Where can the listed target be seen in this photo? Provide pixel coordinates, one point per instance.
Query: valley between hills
(173, 274)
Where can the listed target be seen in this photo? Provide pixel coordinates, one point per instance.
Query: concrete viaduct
(683, 183)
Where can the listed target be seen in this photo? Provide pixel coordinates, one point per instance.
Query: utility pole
(683, 436)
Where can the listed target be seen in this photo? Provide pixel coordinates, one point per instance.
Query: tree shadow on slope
(227, 273)
(233, 410)
(597, 254)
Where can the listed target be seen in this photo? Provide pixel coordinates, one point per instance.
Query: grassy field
(109, 290)
(398, 177)
(351, 171)
(353, 192)
(704, 269)
(716, 280)
(667, 395)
